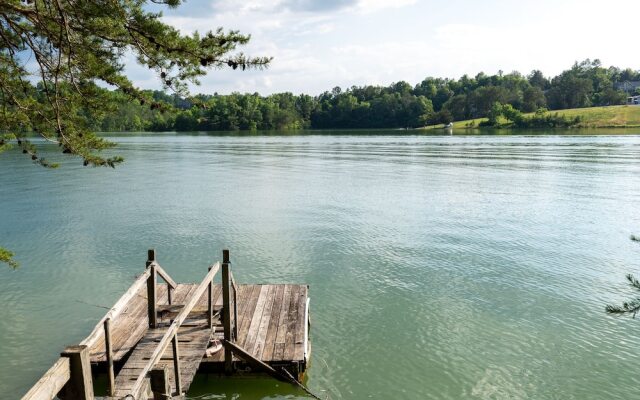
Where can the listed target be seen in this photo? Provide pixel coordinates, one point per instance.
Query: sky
(318, 45)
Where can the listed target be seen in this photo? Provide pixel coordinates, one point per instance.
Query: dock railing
(171, 335)
(70, 376)
(229, 311)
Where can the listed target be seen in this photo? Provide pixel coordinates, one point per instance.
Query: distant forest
(399, 105)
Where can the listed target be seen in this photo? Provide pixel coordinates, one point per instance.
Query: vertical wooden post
(235, 314)
(151, 290)
(109, 353)
(80, 384)
(226, 309)
(160, 383)
(210, 304)
(176, 364)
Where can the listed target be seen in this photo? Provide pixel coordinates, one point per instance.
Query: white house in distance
(633, 100)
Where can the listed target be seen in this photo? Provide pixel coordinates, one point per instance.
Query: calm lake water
(440, 267)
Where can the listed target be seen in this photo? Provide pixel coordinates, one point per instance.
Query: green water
(440, 267)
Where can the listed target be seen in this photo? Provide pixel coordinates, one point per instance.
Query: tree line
(399, 105)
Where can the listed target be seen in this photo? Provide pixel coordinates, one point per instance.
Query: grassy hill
(593, 117)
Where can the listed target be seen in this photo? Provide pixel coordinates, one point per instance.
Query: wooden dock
(153, 341)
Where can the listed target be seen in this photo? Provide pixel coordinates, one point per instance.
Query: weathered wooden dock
(153, 341)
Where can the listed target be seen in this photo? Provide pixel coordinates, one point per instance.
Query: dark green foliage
(371, 107)
(432, 101)
(441, 117)
(532, 99)
(541, 119)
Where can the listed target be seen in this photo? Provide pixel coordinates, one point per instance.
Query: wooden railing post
(226, 309)
(210, 304)
(160, 383)
(109, 354)
(80, 384)
(176, 364)
(235, 311)
(151, 290)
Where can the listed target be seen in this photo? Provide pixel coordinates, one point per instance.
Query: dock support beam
(226, 309)
(160, 383)
(80, 384)
(152, 297)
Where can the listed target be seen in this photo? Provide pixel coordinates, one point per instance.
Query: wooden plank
(249, 315)
(261, 335)
(292, 317)
(51, 382)
(278, 347)
(299, 336)
(242, 304)
(248, 304)
(117, 308)
(128, 328)
(307, 324)
(257, 317)
(123, 326)
(273, 324)
(193, 341)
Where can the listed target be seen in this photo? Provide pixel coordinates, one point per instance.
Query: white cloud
(377, 5)
(320, 44)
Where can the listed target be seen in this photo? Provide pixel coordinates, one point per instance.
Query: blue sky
(318, 45)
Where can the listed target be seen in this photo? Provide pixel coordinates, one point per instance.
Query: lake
(441, 267)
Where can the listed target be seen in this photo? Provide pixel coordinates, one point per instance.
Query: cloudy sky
(318, 45)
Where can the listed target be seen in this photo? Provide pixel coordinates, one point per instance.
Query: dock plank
(299, 343)
(257, 317)
(273, 324)
(278, 347)
(261, 334)
(292, 318)
(192, 343)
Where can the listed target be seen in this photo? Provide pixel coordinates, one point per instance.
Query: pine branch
(78, 45)
(631, 307)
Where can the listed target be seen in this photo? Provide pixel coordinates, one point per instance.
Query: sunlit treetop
(56, 55)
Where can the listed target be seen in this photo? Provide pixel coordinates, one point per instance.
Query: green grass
(592, 117)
